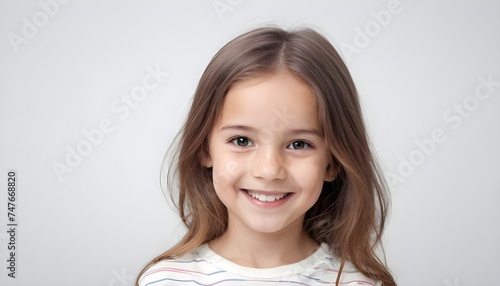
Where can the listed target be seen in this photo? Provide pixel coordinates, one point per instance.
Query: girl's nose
(268, 165)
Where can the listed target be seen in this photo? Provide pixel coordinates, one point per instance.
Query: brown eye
(242, 142)
(298, 145)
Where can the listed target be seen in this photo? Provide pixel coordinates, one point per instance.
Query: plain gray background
(68, 67)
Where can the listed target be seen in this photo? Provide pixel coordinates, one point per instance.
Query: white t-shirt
(205, 267)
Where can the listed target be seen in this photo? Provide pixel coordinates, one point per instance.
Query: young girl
(276, 181)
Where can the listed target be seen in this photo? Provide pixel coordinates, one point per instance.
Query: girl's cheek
(311, 170)
(225, 172)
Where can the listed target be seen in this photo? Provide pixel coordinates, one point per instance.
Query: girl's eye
(242, 141)
(299, 145)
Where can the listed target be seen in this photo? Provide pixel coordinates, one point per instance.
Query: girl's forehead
(271, 97)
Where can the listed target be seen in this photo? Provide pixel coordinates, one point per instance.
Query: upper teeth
(266, 198)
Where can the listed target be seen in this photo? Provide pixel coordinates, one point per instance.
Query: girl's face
(268, 156)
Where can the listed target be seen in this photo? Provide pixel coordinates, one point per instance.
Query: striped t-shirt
(205, 267)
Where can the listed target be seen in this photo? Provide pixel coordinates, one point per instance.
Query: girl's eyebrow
(313, 132)
(238, 128)
(295, 132)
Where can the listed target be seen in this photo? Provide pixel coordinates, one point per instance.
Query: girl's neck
(248, 248)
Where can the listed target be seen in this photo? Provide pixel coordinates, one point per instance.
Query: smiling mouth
(267, 198)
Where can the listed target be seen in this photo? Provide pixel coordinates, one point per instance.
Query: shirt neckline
(320, 256)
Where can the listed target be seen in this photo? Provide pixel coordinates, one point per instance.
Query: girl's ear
(330, 173)
(206, 161)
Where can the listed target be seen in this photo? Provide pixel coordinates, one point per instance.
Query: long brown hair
(351, 211)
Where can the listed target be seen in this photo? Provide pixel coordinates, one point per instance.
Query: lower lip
(268, 205)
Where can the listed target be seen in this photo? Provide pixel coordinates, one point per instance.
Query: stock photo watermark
(122, 108)
(447, 282)
(222, 7)
(121, 278)
(12, 223)
(31, 26)
(363, 36)
(453, 116)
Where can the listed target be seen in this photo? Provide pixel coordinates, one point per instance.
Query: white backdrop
(92, 93)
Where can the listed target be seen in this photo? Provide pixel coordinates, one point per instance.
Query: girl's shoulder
(178, 271)
(205, 267)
